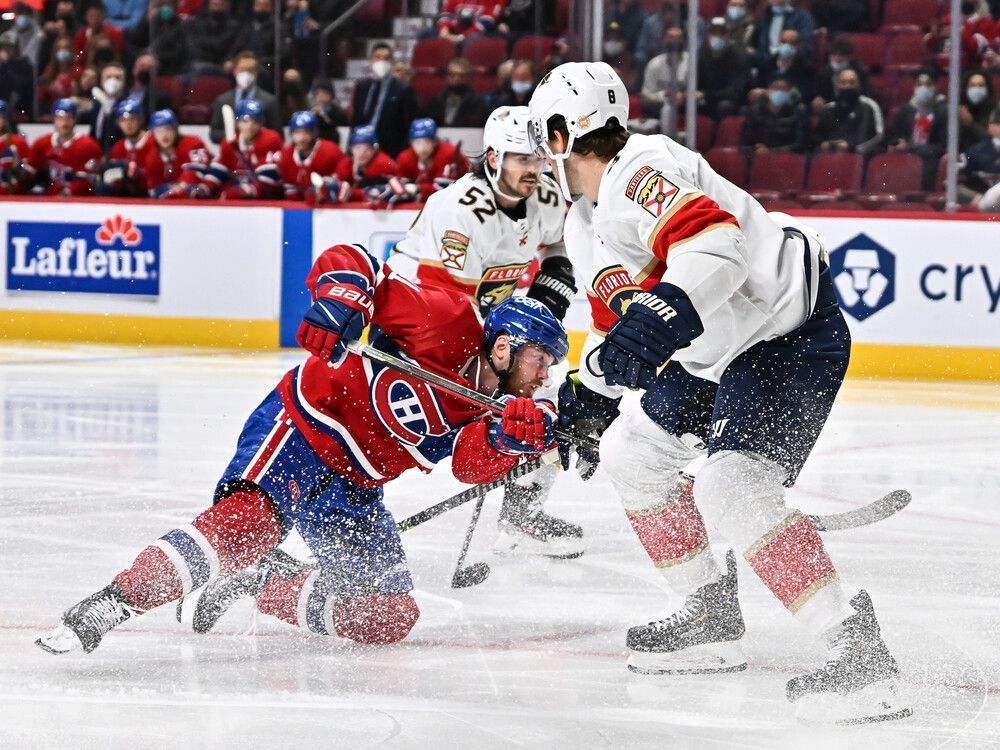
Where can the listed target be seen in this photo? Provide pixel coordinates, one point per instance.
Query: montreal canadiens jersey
(370, 422)
(663, 214)
(462, 239)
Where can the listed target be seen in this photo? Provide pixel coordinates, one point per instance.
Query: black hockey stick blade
(883, 508)
(473, 575)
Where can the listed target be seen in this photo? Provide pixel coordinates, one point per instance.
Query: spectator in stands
(101, 51)
(143, 90)
(615, 49)
(329, 115)
(166, 35)
(975, 40)
(838, 16)
(779, 16)
(95, 26)
(629, 15)
(17, 78)
(430, 163)
(257, 34)
(176, 168)
(301, 32)
(921, 126)
(247, 166)
(777, 122)
(851, 122)
(517, 90)
(977, 104)
(14, 154)
(403, 71)
(792, 63)
(458, 106)
(723, 72)
(213, 35)
(63, 23)
(125, 14)
(518, 18)
(84, 98)
(367, 169)
(109, 92)
(245, 71)
(124, 172)
(61, 76)
(742, 29)
(840, 57)
(307, 155)
(665, 72)
(981, 170)
(293, 93)
(385, 103)
(25, 34)
(63, 162)
(650, 43)
(460, 19)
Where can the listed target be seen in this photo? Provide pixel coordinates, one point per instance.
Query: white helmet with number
(588, 95)
(506, 132)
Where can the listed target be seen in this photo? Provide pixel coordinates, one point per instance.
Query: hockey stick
(885, 507)
(474, 574)
(229, 122)
(443, 384)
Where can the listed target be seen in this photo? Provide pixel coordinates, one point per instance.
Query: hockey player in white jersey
(727, 320)
(480, 234)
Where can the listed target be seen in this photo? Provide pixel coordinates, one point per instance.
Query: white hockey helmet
(506, 132)
(588, 95)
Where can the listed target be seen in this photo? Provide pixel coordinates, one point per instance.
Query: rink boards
(921, 292)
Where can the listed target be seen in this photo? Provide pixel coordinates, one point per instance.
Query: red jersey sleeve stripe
(690, 219)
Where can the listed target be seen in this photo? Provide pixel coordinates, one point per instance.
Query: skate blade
(710, 658)
(59, 640)
(512, 543)
(877, 702)
(186, 607)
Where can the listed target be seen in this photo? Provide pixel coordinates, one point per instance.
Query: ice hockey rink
(104, 449)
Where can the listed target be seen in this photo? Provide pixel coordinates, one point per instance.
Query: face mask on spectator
(923, 95)
(381, 68)
(143, 77)
(838, 65)
(968, 8)
(779, 97)
(736, 12)
(112, 86)
(976, 94)
(996, 142)
(717, 43)
(520, 87)
(849, 96)
(22, 22)
(245, 79)
(614, 48)
(786, 50)
(63, 55)
(166, 13)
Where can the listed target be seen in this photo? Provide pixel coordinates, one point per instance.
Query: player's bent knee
(375, 619)
(241, 527)
(740, 495)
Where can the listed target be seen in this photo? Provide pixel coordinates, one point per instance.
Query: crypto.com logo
(864, 274)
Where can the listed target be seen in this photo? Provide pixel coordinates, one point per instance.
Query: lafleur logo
(864, 276)
(115, 257)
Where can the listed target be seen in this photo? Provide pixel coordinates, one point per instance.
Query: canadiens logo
(293, 489)
(656, 194)
(498, 283)
(454, 246)
(407, 410)
(615, 287)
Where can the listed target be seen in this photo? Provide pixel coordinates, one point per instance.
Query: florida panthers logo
(406, 409)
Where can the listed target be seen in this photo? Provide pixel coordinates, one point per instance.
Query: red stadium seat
(901, 206)
(432, 55)
(730, 131)
(869, 49)
(705, 128)
(483, 83)
(832, 176)
(195, 114)
(906, 51)
(427, 85)
(780, 204)
(900, 15)
(205, 89)
(730, 163)
(485, 53)
(173, 87)
(777, 174)
(891, 176)
(534, 47)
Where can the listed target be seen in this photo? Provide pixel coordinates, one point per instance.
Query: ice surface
(105, 449)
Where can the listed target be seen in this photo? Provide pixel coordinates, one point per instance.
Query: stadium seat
(730, 131)
(432, 55)
(780, 204)
(869, 49)
(776, 175)
(907, 206)
(426, 85)
(483, 83)
(485, 53)
(892, 176)
(173, 87)
(730, 163)
(205, 89)
(833, 176)
(908, 15)
(906, 52)
(704, 130)
(534, 47)
(195, 114)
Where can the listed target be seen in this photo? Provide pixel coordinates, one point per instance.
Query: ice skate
(858, 682)
(525, 528)
(702, 637)
(85, 624)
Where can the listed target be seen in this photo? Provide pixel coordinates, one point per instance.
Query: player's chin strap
(502, 375)
(494, 180)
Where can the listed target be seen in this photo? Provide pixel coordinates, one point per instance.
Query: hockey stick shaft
(467, 541)
(885, 507)
(455, 389)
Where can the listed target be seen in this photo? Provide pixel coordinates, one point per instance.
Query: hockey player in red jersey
(369, 171)
(176, 166)
(430, 164)
(124, 173)
(14, 151)
(247, 166)
(315, 454)
(305, 156)
(461, 18)
(63, 162)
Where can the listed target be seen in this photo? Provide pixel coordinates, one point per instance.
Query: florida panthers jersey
(463, 239)
(663, 214)
(370, 422)
(297, 170)
(71, 165)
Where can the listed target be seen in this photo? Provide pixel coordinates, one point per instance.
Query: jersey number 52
(485, 209)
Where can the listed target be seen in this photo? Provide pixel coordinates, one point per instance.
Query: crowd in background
(788, 70)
